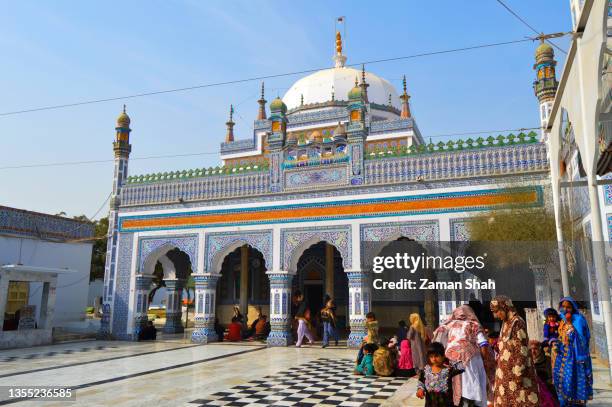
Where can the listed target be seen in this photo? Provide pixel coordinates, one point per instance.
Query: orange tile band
(259, 215)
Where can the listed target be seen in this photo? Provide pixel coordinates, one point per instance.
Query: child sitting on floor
(366, 365)
(435, 380)
(384, 360)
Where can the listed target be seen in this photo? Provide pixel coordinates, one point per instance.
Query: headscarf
(580, 326)
(464, 344)
(503, 303)
(417, 323)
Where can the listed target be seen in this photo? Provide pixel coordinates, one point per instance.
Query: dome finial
(123, 120)
(339, 58)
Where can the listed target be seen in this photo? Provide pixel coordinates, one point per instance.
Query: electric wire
(258, 78)
(70, 163)
(522, 20)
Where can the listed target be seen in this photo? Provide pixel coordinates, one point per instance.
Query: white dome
(317, 88)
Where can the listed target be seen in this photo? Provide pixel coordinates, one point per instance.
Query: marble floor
(175, 373)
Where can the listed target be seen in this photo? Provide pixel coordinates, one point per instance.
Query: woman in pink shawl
(405, 367)
(465, 342)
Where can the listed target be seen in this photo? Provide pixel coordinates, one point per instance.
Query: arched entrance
(243, 282)
(394, 305)
(319, 276)
(166, 270)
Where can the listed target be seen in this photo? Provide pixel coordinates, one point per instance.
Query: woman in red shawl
(465, 342)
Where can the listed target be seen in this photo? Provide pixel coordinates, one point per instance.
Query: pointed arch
(219, 245)
(294, 242)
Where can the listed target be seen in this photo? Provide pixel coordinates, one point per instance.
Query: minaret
(405, 106)
(262, 105)
(229, 137)
(339, 58)
(276, 141)
(122, 149)
(545, 85)
(364, 85)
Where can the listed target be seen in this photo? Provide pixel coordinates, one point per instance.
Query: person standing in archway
(328, 317)
(515, 378)
(302, 316)
(417, 335)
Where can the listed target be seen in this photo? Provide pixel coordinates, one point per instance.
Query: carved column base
(204, 331)
(358, 333)
(280, 333)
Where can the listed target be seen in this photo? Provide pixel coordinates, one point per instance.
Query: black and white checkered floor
(322, 382)
(52, 353)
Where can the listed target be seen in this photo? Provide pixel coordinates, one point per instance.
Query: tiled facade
(314, 179)
(42, 226)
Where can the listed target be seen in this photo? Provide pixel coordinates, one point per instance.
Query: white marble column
(280, 308)
(205, 293)
(174, 290)
(143, 285)
(360, 297)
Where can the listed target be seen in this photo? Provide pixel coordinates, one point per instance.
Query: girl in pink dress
(405, 367)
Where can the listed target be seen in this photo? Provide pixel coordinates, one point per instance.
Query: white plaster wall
(72, 287)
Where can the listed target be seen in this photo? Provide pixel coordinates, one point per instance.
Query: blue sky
(68, 51)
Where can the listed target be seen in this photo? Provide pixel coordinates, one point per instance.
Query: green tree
(98, 254)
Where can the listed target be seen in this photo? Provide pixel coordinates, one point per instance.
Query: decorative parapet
(262, 125)
(336, 158)
(335, 114)
(452, 164)
(238, 146)
(196, 188)
(198, 173)
(385, 126)
(42, 225)
(455, 145)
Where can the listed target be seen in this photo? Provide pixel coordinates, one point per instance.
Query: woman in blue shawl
(572, 370)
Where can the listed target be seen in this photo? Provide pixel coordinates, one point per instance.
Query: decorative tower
(262, 105)
(122, 149)
(356, 132)
(545, 85)
(229, 136)
(276, 140)
(405, 106)
(339, 58)
(364, 85)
